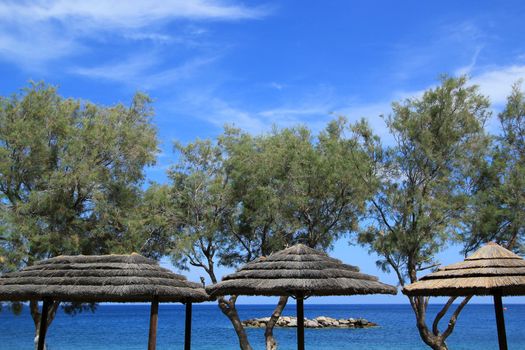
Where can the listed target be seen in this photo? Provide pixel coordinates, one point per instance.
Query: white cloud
(467, 32)
(276, 86)
(447, 46)
(143, 36)
(124, 13)
(35, 33)
(468, 68)
(315, 110)
(141, 71)
(29, 49)
(293, 112)
(496, 82)
(126, 71)
(218, 112)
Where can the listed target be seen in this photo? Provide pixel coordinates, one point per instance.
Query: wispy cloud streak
(142, 72)
(37, 32)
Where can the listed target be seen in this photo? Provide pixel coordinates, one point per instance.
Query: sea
(125, 326)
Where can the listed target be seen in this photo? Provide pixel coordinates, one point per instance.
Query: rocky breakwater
(318, 322)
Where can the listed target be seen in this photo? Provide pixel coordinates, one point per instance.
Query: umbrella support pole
(43, 325)
(187, 330)
(500, 321)
(153, 321)
(300, 321)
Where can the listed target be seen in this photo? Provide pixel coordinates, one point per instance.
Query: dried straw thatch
(114, 278)
(491, 270)
(299, 270)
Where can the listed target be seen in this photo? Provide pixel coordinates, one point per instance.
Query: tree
(204, 211)
(149, 229)
(70, 172)
(497, 212)
(423, 190)
(243, 197)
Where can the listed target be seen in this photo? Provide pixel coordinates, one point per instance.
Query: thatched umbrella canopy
(491, 270)
(299, 272)
(103, 278)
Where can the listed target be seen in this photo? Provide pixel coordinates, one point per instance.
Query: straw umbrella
(299, 272)
(103, 278)
(491, 270)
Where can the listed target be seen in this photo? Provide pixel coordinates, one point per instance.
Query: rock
(362, 322)
(311, 324)
(318, 322)
(327, 321)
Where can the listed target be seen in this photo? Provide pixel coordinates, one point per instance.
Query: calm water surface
(119, 327)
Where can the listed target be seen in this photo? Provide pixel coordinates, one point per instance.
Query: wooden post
(43, 324)
(500, 321)
(300, 321)
(153, 320)
(187, 331)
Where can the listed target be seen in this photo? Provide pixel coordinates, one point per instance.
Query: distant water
(119, 327)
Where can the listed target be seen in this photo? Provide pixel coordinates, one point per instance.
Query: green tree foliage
(423, 190)
(498, 183)
(246, 196)
(70, 175)
(296, 188)
(150, 224)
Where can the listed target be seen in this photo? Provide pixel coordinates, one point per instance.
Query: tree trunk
(35, 315)
(434, 342)
(438, 346)
(271, 343)
(436, 339)
(228, 308)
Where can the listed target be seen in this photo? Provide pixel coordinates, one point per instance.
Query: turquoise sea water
(119, 327)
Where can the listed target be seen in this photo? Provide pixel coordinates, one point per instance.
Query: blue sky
(254, 64)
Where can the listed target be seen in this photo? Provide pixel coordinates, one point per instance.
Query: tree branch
(440, 315)
(454, 318)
